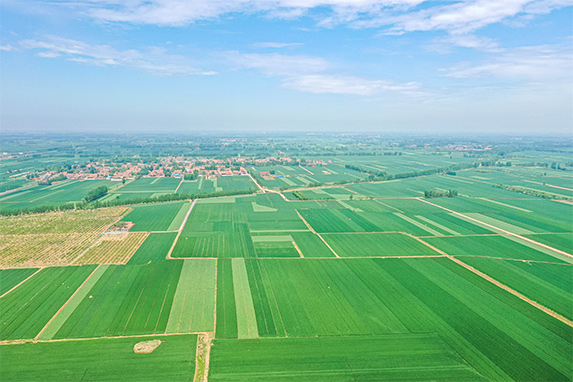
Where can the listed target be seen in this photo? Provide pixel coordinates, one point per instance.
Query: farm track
(502, 230)
(181, 229)
(501, 285)
(66, 303)
(21, 282)
(316, 233)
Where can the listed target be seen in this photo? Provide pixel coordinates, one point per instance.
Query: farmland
(334, 268)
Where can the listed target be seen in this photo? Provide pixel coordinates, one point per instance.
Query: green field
(403, 296)
(548, 284)
(127, 300)
(194, 301)
(377, 244)
(9, 278)
(157, 217)
(355, 358)
(155, 247)
(28, 308)
(110, 359)
(490, 246)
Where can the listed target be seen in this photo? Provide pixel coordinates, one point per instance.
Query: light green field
(193, 308)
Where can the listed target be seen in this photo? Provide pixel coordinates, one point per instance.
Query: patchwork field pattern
(385, 296)
(377, 244)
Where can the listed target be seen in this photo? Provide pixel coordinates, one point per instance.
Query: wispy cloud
(309, 75)
(399, 16)
(445, 44)
(534, 63)
(154, 60)
(340, 84)
(278, 45)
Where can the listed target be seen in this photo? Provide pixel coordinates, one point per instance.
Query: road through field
(181, 228)
(501, 230)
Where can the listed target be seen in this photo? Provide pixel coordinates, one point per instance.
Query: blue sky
(476, 66)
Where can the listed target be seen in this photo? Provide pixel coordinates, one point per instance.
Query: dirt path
(66, 303)
(21, 282)
(316, 233)
(502, 230)
(499, 284)
(203, 356)
(297, 249)
(180, 183)
(513, 292)
(257, 183)
(181, 228)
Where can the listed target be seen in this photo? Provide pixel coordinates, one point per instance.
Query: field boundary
(558, 251)
(181, 229)
(66, 303)
(21, 282)
(316, 233)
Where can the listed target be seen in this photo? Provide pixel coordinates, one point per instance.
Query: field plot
(310, 245)
(53, 238)
(561, 241)
(199, 186)
(548, 284)
(112, 249)
(377, 244)
(275, 246)
(157, 217)
(356, 358)
(28, 308)
(167, 185)
(489, 246)
(215, 230)
(9, 278)
(127, 300)
(155, 247)
(100, 360)
(193, 308)
(58, 193)
(499, 335)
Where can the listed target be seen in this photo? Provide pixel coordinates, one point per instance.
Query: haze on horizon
(475, 66)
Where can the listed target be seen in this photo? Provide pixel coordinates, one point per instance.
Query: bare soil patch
(146, 346)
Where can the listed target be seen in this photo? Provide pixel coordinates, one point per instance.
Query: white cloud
(153, 60)
(535, 63)
(336, 84)
(307, 74)
(277, 64)
(277, 45)
(400, 16)
(445, 44)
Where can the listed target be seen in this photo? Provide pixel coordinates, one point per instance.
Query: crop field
(385, 296)
(333, 278)
(491, 246)
(548, 284)
(356, 358)
(109, 359)
(58, 193)
(167, 185)
(127, 300)
(54, 238)
(157, 217)
(377, 244)
(155, 247)
(194, 302)
(9, 278)
(27, 309)
(112, 249)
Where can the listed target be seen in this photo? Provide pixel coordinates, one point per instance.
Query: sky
(168, 66)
